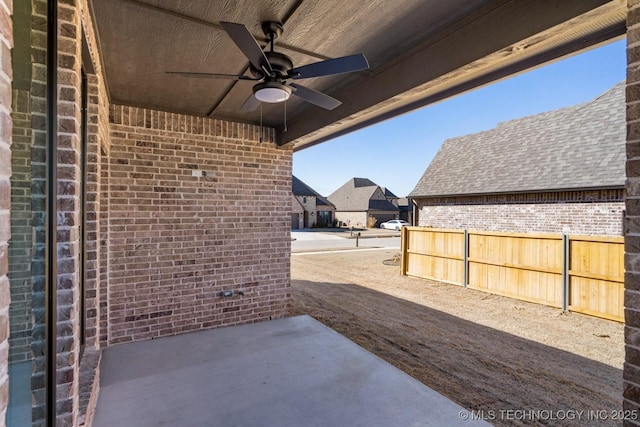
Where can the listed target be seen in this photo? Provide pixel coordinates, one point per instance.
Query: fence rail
(579, 273)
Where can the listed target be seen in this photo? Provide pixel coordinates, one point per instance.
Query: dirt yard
(485, 352)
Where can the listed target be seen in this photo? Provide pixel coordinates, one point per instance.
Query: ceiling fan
(274, 71)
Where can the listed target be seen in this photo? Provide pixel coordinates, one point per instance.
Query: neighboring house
(360, 198)
(297, 213)
(317, 210)
(559, 171)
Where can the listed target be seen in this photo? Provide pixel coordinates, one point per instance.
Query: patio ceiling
(419, 51)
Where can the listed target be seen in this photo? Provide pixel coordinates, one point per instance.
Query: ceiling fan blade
(345, 64)
(209, 75)
(248, 45)
(250, 104)
(315, 97)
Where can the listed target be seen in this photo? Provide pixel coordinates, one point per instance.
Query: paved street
(311, 241)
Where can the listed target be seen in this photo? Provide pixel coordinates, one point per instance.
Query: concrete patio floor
(287, 372)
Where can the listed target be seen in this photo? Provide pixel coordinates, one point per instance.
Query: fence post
(466, 258)
(565, 272)
(404, 246)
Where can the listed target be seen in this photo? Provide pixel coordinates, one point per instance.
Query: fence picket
(579, 273)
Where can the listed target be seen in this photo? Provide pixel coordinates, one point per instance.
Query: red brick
(600, 217)
(168, 257)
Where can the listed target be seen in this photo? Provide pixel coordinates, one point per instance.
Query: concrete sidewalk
(347, 234)
(281, 373)
(308, 236)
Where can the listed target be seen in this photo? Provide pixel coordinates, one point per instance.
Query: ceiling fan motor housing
(280, 63)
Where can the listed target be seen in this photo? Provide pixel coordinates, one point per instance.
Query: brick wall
(631, 370)
(38, 203)
(602, 218)
(98, 142)
(103, 242)
(68, 218)
(360, 219)
(594, 212)
(97, 197)
(21, 242)
(309, 205)
(96, 201)
(352, 219)
(178, 240)
(20, 249)
(74, 25)
(6, 43)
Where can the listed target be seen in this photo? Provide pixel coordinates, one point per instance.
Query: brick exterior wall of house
(570, 218)
(96, 199)
(74, 25)
(68, 219)
(197, 206)
(20, 249)
(352, 219)
(28, 186)
(550, 213)
(103, 242)
(96, 205)
(631, 370)
(6, 43)
(309, 205)
(38, 196)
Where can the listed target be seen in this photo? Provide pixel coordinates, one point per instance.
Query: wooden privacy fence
(579, 273)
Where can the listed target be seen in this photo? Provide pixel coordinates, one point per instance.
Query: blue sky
(395, 153)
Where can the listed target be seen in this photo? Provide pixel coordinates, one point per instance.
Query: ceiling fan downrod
(272, 30)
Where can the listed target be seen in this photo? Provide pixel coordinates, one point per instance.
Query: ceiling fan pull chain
(285, 116)
(261, 123)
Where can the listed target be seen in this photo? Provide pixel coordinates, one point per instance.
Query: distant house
(316, 209)
(559, 171)
(359, 199)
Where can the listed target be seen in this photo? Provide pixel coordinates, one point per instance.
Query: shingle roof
(382, 205)
(355, 196)
(388, 193)
(576, 147)
(363, 182)
(299, 188)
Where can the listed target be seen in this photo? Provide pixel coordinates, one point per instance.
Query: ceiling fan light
(271, 92)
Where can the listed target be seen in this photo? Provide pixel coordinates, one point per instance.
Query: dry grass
(483, 351)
